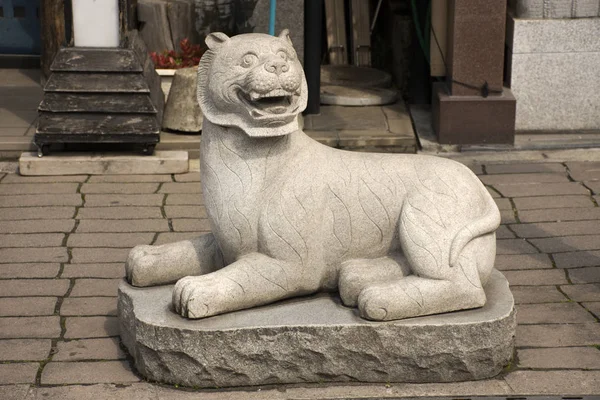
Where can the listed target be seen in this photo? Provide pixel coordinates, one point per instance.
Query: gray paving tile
(584, 275)
(102, 200)
(577, 259)
(550, 229)
(567, 243)
(558, 335)
(15, 178)
(582, 292)
(29, 270)
(352, 118)
(99, 254)
(134, 225)
(91, 327)
(33, 287)
(171, 237)
(539, 189)
(541, 277)
(503, 204)
(88, 306)
(524, 178)
(584, 170)
(593, 307)
(31, 240)
(95, 287)
(553, 313)
(18, 372)
(524, 168)
(192, 225)
(135, 391)
(544, 202)
(88, 372)
(36, 213)
(116, 212)
(109, 239)
(37, 188)
(593, 185)
(98, 270)
(89, 349)
(514, 246)
(130, 178)
(185, 199)
(37, 226)
(554, 382)
(123, 188)
(26, 306)
(29, 327)
(506, 262)
(28, 255)
(560, 214)
(187, 187)
(560, 358)
(26, 200)
(188, 177)
(24, 349)
(537, 294)
(507, 217)
(185, 212)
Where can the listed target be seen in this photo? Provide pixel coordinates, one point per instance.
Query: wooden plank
(336, 32)
(52, 19)
(361, 33)
(96, 124)
(96, 83)
(101, 102)
(77, 59)
(182, 16)
(154, 25)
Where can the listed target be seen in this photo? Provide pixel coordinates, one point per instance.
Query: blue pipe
(272, 17)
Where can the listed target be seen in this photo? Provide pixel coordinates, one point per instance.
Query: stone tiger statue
(398, 235)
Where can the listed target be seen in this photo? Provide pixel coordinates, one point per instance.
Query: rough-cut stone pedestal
(314, 339)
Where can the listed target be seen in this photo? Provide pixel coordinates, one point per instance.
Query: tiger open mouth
(265, 105)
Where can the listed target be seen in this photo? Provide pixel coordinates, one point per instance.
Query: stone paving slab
(89, 349)
(29, 270)
(577, 259)
(25, 349)
(104, 200)
(557, 335)
(97, 270)
(582, 292)
(88, 372)
(37, 226)
(544, 202)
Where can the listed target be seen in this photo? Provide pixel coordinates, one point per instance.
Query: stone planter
(182, 111)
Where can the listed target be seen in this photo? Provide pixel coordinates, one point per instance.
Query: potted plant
(168, 61)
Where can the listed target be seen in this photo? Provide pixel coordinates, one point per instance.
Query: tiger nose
(277, 66)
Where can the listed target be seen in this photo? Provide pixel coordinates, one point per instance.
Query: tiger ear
(285, 35)
(216, 40)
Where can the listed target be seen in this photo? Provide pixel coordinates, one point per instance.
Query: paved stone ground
(63, 241)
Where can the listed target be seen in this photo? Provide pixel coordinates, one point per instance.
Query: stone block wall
(542, 9)
(553, 69)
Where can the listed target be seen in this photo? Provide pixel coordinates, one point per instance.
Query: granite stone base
(473, 119)
(314, 339)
